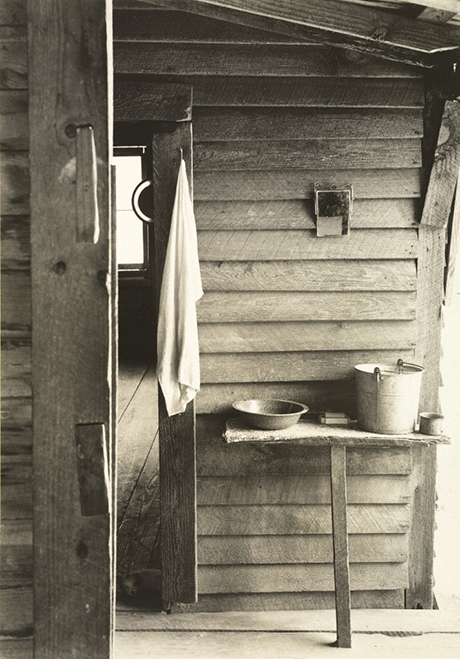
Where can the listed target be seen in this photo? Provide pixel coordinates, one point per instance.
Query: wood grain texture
(267, 306)
(307, 154)
(16, 370)
(157, 102)
(273, 186)
(287, 337)
(363, 23)
(298, 92)
(14, 120)
(298, 578)
(13, 12)
(291, 549)
(231, 124)
(16, 304)
(15, 243)
(242, 60)
(444, 172)
(70, 295)
(137, 429)
(17, 616)
(176, 433)
(320, 395)
(372, 599)
(340, 545)
(299, 520)
(241, 490)
(300, 214)
(257, 460)
(347, 275)
(13, 57)
(423, 525)
(175, 26)
(299, 245)
(288, 367)
(14, 169)
(16, 416)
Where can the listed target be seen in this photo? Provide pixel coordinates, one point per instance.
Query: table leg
(340, 545)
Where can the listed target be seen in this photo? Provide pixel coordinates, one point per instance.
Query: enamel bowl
(270, 413)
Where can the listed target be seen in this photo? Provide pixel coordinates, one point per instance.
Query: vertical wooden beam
(340, 545)
(176, 433)
(72, 334)
(430, 280)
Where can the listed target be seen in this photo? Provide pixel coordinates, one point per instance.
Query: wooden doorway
(146, 513)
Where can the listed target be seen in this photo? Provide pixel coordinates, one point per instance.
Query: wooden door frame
(73, 316)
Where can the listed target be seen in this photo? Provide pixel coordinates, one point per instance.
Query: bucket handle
(401, 363)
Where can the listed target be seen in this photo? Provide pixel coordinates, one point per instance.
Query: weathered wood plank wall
(287, 314)
(16, 510)
(269, 120)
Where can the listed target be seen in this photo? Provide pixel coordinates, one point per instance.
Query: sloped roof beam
(336, 23)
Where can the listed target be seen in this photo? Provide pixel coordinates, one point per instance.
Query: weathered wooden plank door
(73, 313)
(176, 433)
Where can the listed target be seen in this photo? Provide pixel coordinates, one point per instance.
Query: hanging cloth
(178, 367)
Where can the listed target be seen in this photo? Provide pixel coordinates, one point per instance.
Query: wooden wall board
(296, 92)
(270, 337)
(13, 58)
(251, 460)
(242, 60)
(157, 25)
(245, 490)
(16, 648)
(288, 367)
(307, 154)
(13, 12)
(15, 242)
(299, 520)
(17, 617)
(229, 124)
(261, 186)
(18, 441)
(16, 369)
(16, 414)
(14, 168)
(276, 92)
(299, 245)
(17, 501)
(268, 306)
(287, 549)
(333, 395)
(370, 599)
(16, 311)
(295, 578)
(348, 275)
(300, 214)
(160, 102)
(14, 120)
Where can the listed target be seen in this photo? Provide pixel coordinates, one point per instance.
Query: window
(131, 231)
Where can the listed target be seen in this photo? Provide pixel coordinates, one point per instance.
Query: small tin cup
(431, 423)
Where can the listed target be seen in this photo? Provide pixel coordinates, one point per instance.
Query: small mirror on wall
(333, 210)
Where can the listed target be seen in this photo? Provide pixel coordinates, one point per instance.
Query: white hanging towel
(178, 367)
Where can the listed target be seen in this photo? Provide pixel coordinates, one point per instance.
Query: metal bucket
(388, 397)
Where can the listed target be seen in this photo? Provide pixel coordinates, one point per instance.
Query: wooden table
(338, 438)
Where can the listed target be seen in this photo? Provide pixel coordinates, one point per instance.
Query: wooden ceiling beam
(336, 23)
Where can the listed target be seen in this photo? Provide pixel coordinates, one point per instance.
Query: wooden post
(430, 281)
(340, 545)
(176, 433)
(73, 338)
